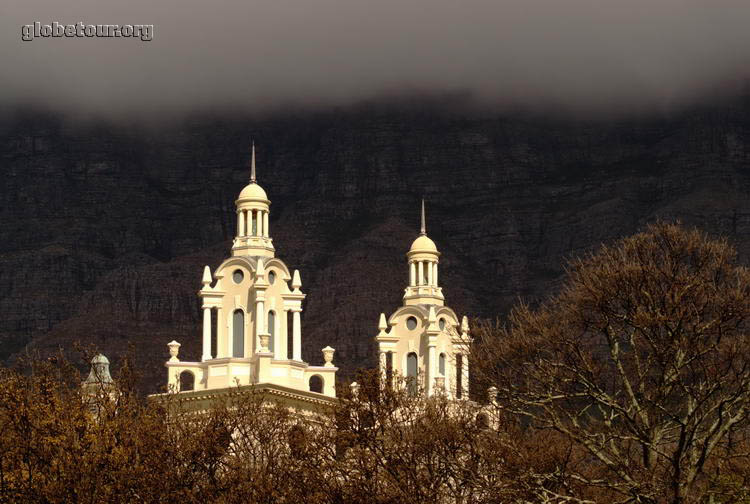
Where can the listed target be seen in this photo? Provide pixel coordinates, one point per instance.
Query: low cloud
(583, 56)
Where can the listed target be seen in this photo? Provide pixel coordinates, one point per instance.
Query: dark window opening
(411, 374)
(316, 384)
(187, 381)
(238, 334)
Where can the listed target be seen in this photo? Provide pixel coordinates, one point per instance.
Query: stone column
(429, 273)
(241, 223)
(296, 334)
(265, 224)
(412, 274)
(259, 216)
(435, 274)
(420, 273)
(383, 363)
(206, 333)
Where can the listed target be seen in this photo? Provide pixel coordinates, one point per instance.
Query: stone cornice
(270, 388)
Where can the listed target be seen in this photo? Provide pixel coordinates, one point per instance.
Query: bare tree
(642, 363)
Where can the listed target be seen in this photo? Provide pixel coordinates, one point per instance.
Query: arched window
(187, 381)
(272, 330)
(441, 364)
(238, 334)
(411, 374)
(316, 384)
(459, 372)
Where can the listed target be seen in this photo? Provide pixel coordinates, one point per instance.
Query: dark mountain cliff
(105, 228)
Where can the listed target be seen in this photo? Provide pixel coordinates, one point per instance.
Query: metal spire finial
(252, 166)
(422, 230)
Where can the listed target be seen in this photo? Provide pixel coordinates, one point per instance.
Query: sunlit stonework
(251, 305)
(422, 340)
(252, 334)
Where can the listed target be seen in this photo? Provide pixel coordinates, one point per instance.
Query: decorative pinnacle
(382, 324)
(422, 230)
(252, 165)
(206, 276)
(296, 281)
(464, 325)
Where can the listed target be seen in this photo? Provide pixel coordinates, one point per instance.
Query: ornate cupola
(423, 271)
(423, 340)
(253, 237)
(252, 325)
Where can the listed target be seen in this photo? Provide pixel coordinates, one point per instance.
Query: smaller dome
(99, 370)
(423, 244)
(99, 359)
(253, 191)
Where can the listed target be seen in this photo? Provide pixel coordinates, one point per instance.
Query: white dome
(423, 244)
(253, 191)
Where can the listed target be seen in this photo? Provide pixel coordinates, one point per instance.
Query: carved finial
(492, 394)
(206, 280)
(296, 281)
(260, 269)
(328, 356)
(252, 165)
(464, 325)
(383, 324)
(174, 351)
(432, 323)
(423, 229)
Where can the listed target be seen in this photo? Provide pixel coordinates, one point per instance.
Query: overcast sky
(577, 55)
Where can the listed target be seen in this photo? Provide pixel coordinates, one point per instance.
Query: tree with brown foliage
(373, 446)
(642, 364)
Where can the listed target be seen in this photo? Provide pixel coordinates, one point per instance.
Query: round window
(237, 276)
(271, 277)
(411, 323)
(442, 324)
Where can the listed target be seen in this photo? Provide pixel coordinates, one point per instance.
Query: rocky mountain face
(105, 228)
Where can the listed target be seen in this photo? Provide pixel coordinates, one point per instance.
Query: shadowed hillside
(105, 228)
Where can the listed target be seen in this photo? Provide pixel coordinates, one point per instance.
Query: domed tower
(251, 304)
(253, 236)
(422, 341)
(423, 258)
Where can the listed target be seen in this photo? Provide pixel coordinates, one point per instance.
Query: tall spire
(252, 166)
(422, 230)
